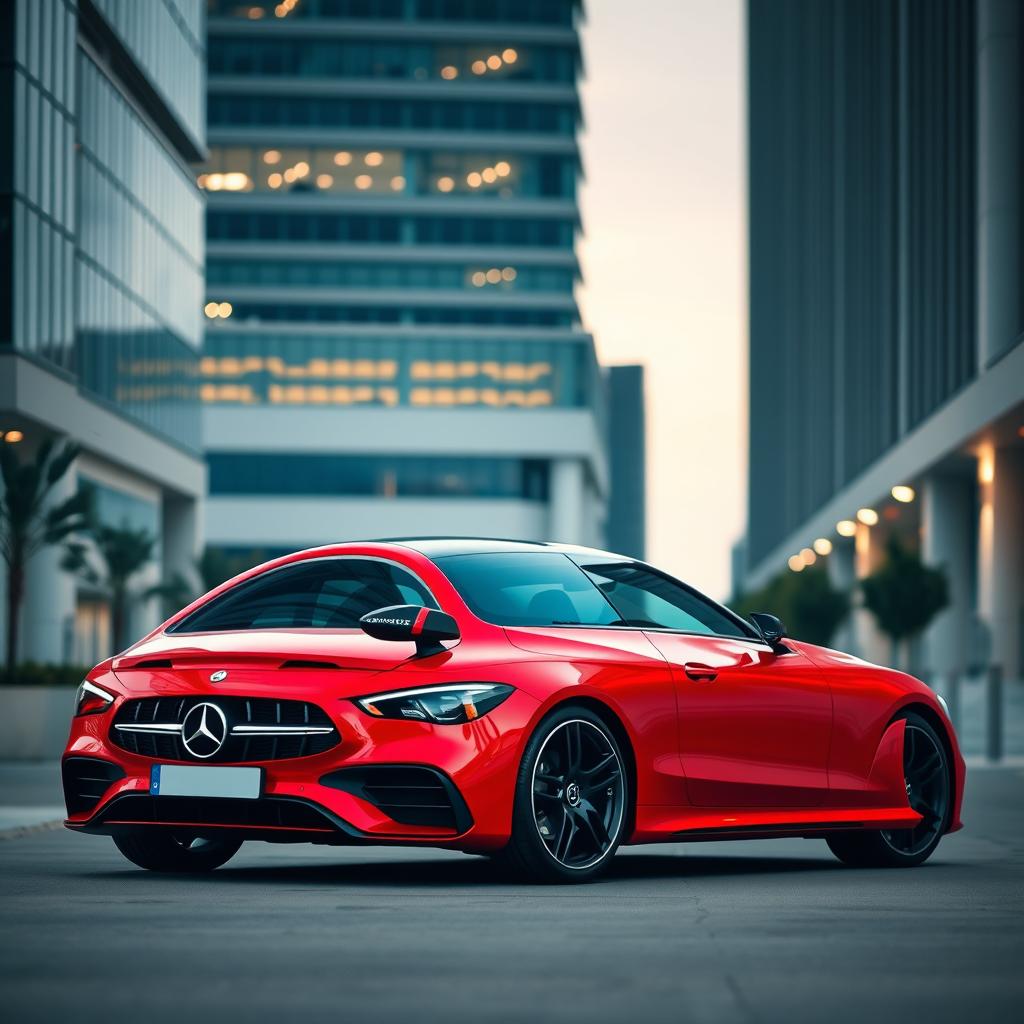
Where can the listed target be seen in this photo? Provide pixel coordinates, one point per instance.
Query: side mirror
(771, 628)
(426, 627)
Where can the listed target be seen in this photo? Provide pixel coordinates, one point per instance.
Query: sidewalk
(30, 796)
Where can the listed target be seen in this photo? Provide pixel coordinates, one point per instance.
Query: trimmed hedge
(32, 673)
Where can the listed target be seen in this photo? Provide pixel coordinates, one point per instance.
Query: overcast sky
(664, 256)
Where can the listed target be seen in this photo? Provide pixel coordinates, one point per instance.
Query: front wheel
(570, 800)
(926, 773)
(176, 851)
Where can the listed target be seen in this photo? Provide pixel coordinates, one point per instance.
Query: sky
(664, 257)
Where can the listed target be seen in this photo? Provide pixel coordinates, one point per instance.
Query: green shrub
(32, 673)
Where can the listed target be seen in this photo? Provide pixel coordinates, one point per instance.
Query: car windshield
(516, 589)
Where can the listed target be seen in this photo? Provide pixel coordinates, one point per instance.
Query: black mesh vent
(408, 794)
(267, 812)
(85, 780)
(237, 711)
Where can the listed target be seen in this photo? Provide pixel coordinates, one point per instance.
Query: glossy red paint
(725, 737)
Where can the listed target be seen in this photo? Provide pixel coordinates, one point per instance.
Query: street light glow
(846, 527)
(868, 516)
(903, 493)
(823, 546)
(796, 563)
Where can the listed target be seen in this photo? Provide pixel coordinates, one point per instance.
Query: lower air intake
(86, 780)
(408, 794)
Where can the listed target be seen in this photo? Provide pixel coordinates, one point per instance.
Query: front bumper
(348, 794)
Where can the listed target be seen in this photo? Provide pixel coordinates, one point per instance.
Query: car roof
(439, 547)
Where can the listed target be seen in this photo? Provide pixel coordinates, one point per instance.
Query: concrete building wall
(886, 312)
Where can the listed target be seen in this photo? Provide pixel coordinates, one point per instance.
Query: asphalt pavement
(773, 930)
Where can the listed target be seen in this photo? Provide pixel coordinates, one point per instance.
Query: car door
(754, 725)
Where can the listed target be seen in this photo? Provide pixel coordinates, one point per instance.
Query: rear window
(516, 589)
(321, 593)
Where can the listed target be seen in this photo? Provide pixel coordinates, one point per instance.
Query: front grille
(85, 780)
(267, 812)
(240, 713)
(408, 794)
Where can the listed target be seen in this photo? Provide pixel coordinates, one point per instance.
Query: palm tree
(122, 552)
(28, 521)
(904, 594)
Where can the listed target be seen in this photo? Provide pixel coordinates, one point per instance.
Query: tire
(926, 771)
(176, 851)
(571, 797)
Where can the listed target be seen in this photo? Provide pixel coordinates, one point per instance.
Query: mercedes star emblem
(219, 676)
(204, 730)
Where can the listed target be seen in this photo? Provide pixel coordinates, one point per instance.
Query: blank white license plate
(203, 780)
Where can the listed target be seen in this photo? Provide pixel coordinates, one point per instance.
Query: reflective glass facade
(527, 12)
(102, 274)
(391, 223)
(250, 368)
(343, 58)
(328, 170)
(233, 473)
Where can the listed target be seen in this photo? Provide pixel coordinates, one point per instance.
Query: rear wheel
(176, 851)
(570, 802)
(929, 791)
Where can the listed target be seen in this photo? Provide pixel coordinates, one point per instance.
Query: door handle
(700, 673)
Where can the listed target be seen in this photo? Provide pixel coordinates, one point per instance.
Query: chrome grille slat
(259, 728)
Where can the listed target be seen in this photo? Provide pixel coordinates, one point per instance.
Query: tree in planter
(811, 608)
(904, 594)
(28, 522)
(122, 552)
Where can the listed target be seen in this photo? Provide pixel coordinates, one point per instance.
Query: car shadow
(448, 871)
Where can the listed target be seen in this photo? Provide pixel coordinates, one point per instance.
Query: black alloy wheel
(167, 850)
(928, 779)
(571, 799)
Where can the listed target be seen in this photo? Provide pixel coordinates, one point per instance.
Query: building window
(397, 476)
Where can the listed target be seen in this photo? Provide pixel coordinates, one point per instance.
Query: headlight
(442, 705)
(92, 699)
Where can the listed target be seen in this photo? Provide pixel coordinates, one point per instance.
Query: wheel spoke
(600, 766)
(595, 825)
(565, 837)
(928, 769)
(601, 784)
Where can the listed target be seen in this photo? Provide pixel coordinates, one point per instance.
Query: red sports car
(539, 702)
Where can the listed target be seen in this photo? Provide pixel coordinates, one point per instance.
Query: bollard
(952, 696)
(994, 713)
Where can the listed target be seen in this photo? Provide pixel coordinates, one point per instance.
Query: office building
(393, 346)
(101, 269)
(886, 308)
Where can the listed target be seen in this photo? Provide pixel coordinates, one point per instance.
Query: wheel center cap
(572, 795)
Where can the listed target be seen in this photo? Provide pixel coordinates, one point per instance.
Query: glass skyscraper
(101, 279)
(393, 345)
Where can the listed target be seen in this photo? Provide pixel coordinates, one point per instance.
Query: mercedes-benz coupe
(541, 703)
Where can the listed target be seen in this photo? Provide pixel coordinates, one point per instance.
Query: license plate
(201, 780)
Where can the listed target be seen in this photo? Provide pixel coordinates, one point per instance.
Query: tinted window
(322, 593)
(646, 598)
(527, 590)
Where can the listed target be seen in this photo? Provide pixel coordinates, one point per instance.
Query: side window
(646, 598)
(320, 593)
(516, 589)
